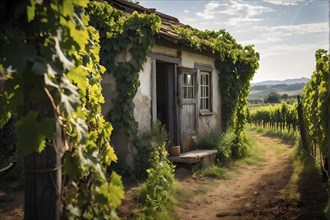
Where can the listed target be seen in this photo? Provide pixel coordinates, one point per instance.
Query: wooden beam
(154, 91)
(203, 67)
(165, 58)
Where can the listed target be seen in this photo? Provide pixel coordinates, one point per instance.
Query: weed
(210, 141)
(286, 136)
(181, 195)
(229, 145)
(214, 172)
(145, 143)
(200, 191)
(155, 195)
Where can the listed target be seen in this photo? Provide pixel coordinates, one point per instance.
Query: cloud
(287, 2)
(266, 34)
(240, 8)
(209, 10)
(289, 30)
(234, 11)
(238, 21)
(291, 48)
(266, 39)
(186, 11)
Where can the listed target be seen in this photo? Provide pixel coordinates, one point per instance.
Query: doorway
(165, 96)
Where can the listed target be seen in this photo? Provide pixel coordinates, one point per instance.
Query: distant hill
(291, 87)
(277, 82)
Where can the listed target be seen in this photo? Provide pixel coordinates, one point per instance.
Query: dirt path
(254, 191)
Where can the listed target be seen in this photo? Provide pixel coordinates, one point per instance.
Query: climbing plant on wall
(49, 61)
(125, 42)
(237, 65)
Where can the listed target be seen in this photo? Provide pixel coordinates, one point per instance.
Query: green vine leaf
(32, 134)
(79, 76)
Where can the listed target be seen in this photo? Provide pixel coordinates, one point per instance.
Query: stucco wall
(164, 50)
(142, 99)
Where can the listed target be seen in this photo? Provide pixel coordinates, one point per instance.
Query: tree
(272, 97)
(284, 96)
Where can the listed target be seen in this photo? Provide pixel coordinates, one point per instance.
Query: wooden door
(188, 107)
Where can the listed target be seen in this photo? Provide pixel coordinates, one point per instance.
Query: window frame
(203, 69)
(205, 91)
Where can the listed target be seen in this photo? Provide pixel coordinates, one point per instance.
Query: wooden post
(328, 135)
(154, 92)
(40, 186)
(43, 173)
(43, 181)
(302, 126)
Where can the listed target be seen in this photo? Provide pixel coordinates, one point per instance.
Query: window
(205, 100)
(188, 86)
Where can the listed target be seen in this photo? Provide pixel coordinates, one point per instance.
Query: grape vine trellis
(316, 100)
(49, 61)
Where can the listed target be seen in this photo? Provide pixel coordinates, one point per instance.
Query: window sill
(206, 113)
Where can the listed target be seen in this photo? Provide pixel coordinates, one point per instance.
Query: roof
(169, 23)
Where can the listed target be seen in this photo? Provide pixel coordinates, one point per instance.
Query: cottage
(179, 87)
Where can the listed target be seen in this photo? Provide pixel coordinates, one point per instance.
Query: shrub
(229, 145)
(155, 194)
(210, 141)
(240, 147)
(145, 143)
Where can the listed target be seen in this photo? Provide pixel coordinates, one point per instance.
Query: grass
(256, 156)
(305, 173)
(286, 136)
(180, 194)
(200, 191)
(214, 172)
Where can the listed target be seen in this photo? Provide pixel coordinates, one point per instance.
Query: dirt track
(256, 191)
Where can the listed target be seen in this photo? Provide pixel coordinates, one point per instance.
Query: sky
(286, 33)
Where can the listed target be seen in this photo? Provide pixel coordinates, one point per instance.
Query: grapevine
(315, 101)
(49, 60)
(281, 116)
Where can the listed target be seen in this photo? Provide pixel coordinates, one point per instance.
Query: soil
(256, 191)
(11, 200)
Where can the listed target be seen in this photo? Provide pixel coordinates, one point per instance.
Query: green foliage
(210, 141)
(272, 97)
(280, 117)
(240, 146)
(125, 43)
(215, 172)
(316, 101)
(288, 137)
(145, 144)
(155, 194)
(49, 58)
(34, 133)
(229, 145)
(7, 140)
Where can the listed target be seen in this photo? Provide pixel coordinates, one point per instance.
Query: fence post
(302, 126)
